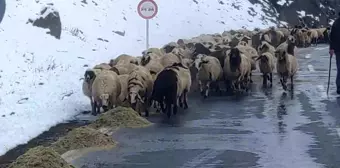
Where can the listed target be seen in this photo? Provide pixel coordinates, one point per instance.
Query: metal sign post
(147, 9)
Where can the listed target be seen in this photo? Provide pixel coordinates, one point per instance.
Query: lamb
(123, 59)
(286, 67)
(237, 69)
(172, 85)
(102, 66)
(209, 71)
(266, 47)
(106, 89)
(140, 85)
(122, 69)
(266, 65)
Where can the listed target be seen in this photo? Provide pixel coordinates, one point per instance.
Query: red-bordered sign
(147, 9)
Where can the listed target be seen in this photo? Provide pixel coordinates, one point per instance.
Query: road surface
(264, 129)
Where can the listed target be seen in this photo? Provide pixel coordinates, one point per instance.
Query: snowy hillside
(40, 76)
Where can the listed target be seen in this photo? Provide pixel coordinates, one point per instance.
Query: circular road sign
(147, 9)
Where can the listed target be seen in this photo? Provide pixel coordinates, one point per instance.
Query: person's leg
(337, 57)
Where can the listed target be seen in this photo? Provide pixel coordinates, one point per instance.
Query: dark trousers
(337, 58)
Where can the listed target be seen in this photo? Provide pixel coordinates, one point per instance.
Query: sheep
(102, 66)
(266, 47)
(106, 89)
(313, 34)
(237, 69)
(154, 67)
(89, 76)
(169, 47)
(209, 71)
(169, 59)
(140, 85)
(123, 59)
(148, 56)
(122, 69)
(123, 79)
(274, 37)
(172, 86)
(156, 51)
(286, 67)
(266, 65)
(250, 53)
(289, 45)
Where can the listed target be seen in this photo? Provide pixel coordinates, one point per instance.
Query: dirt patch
(83, 137)
(40, 157)
(120, 117)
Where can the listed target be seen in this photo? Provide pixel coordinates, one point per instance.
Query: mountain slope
(40, 76)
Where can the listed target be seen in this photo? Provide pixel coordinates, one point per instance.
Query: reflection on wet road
(267, 128)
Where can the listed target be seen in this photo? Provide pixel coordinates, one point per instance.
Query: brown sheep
(313, 35)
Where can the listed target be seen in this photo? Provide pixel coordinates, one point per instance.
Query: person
(334, 48)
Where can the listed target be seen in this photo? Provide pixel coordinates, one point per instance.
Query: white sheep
(286, 67)
(123, 79)
(105, 91)
(266, 65)
(89, 76)
(123, 59)
(209, 71)
(140, 84)
(122, 69)
(289, 46)
(237, 69)
(105, 66)
(266, 47)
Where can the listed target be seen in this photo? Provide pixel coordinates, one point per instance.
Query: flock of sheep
(162, 77)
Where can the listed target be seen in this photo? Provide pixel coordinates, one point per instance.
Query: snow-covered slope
(40, 76)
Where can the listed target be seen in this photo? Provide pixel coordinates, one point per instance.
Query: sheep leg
(94, 107)
(168, 109)
(180, 100)
(271, 79)
(251, 81)
(175, 108)
(147, 103)
(264, 81)
(228, 86)
(185, 99)
(292, 83)
(207, 88)
(201, 87)
(98, 109)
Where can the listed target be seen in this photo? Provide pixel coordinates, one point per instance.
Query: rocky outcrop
(314, 13)
(49, 18)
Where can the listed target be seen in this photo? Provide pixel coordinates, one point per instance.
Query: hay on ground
(83, 137)
(120, 117)
(40, 157)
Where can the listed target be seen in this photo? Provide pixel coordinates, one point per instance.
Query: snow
(41, 76)
(281, 2)
(301, 13)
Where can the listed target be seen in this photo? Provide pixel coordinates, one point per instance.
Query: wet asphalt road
(266, 128)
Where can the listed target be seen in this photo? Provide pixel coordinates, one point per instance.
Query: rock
(49, 18)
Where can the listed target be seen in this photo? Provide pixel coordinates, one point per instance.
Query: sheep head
(235, 59)
(243, 43)
(291, 39)
(105, 101)
(135, 91)
(168, 48)
(146, 58)
(112, 62)
(281, 55)
(114, 69)
(89, 75)
(263, 58)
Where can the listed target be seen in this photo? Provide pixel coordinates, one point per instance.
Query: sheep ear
(114, 69)
(258, 58)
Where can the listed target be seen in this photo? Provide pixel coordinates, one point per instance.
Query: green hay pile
(120, 117)
(82, 137)
(40, 157)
